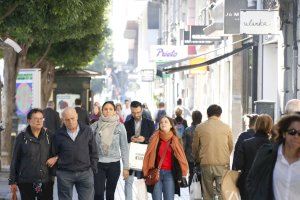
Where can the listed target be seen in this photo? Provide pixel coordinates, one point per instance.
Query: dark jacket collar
(29, 135)
(261, 134)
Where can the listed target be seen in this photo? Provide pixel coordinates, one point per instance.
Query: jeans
(106, 180)
(83, 181)
(165, 186)
(27, 192)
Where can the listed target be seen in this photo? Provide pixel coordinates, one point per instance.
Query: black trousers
(27, 191)
(106, 178)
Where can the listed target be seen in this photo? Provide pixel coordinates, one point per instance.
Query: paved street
(5, 195)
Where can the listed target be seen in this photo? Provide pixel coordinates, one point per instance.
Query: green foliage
(76, 29)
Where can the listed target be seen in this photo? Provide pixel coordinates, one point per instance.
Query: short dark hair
(264, 124)
(179, 101)
(197, 117)
(252, 119)
(109, 102)
(214, 110)
(33, 111)
(135, 104)
(77, 102)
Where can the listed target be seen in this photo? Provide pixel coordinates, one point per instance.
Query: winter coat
(29, 158)
(260, 178)
(245, 157)
(78, 155)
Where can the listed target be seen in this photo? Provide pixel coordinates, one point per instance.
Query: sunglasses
(293, 132)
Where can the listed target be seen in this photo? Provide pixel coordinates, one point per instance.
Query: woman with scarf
(110, 136)
(174, 165)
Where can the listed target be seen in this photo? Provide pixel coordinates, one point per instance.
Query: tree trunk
(47, 79)
(8, 104)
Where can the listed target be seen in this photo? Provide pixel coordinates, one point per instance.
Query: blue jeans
(83, 181)
(165, 186)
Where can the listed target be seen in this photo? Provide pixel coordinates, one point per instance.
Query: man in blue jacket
(76, 149)
(139, 129)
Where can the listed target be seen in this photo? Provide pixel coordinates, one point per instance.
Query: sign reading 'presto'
(259, 22)
(167, 52)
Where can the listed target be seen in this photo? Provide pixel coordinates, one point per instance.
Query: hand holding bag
(195, 189)
(153, 176)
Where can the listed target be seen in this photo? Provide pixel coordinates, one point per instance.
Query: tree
(51, 33)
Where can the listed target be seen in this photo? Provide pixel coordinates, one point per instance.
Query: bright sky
(122, 11)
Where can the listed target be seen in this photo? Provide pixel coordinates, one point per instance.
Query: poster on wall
(65, 100)
(28, 93)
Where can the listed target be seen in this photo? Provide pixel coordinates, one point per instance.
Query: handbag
(153, 176)
(229, 189)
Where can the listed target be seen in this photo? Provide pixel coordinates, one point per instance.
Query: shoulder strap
(164, 155)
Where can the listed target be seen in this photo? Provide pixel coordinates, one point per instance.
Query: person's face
(108, 110)
(165, 125)
(136, 113)
(118, 108)
(36, 121)
(127, 104)
(70, 120)
(96, 110)
(293, 141)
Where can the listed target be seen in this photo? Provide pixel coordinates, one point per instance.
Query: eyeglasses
(293, 132)
(37, 119)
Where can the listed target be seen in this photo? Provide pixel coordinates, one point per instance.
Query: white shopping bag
(195, 189)
(136, 155)
(140, 189)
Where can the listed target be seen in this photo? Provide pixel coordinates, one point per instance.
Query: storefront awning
(208, 62)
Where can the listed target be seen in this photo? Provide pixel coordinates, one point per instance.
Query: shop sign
(232, 15)
(259, 22)
(147, 75)
(164, 53)
(196, 36)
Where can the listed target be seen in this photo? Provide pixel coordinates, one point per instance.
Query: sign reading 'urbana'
(259, 22)
(167, 52)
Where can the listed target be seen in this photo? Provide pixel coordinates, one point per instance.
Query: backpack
(180, 129)
(160, 114)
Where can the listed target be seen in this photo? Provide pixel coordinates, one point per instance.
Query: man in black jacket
(83, 115)
(52, 120)
(139, 129)
(76, 149)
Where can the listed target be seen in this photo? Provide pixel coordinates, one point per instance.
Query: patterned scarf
(107, 126)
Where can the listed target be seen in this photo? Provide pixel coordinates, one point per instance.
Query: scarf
(107, 126)
(165, 136)
(150, 155)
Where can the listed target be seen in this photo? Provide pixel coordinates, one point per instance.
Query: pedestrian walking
(120, 113)
(139, 130)
(180, 123)
(243, 136)
(112, 145)
(246, 153)
(32, 160)
(76, 148)
(187, 139)
(212, 146)
(83, 116)
(96, 113)
(165, 148)
(275, 172)
(126, 110)
(161, 112)
(52, 119)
